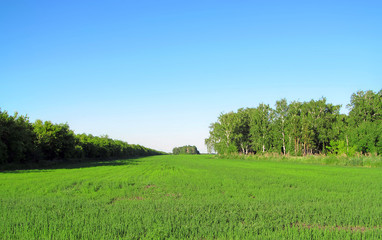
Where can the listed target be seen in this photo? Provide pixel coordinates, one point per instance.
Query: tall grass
(356, 161)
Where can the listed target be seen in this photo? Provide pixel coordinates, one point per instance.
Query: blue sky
(157, 73)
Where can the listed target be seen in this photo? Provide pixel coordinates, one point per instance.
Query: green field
(192, 197)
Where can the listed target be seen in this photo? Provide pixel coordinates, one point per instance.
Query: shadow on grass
(48, 166)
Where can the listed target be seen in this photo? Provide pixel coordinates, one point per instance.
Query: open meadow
(191, 197)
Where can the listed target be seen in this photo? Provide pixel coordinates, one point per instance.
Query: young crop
(192, 197)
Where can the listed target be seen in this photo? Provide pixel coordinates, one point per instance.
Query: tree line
(22, 141)
(301, 128)
(185, 150)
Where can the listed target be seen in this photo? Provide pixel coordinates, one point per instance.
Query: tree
(281, 118)
(23, 142)
(327, 123)
(241, 134)
(185, 150)
(367, 137)
(260, 127)
(365, 121)
(222, 134)
(365, 107)
(55, 141)
(16, 138)
(301, 128)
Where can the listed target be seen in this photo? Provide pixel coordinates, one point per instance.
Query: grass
(334, 160)
(192, 197)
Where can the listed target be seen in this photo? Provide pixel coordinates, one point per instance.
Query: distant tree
(294, 127)
(301, 128)
(367, 137)
(16, 138)
(222, 134)
(365, 121)
(241, 133)
(317, 121)
(23, 142)
(261, 127)
(281, 121)
(365, 107)
(55, 141)
(327, 124)
(185, 150)
(105, 147)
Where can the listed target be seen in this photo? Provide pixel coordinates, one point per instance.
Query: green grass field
(192, 197)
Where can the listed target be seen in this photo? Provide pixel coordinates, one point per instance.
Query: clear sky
(157, 73)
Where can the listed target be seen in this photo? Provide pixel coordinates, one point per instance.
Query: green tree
(185, 150)
(281, 122)
(241, 135)
(55, 141)
(365, 107)
(365, 121)
(294, 127)
(16, 139)
(222, 134)
(260, 127)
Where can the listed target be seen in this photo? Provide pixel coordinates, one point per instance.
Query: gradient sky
(157, 73)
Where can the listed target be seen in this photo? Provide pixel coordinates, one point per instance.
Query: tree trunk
(284, 143)
(298, 145)
(347, 144)
(304, 149)
(323, 147)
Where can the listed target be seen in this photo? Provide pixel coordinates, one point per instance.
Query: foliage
(16, 138)
(301, 128)
(185, 150)
(192, 197)
(365, 121)
(24, 142)
(260, 127)
(55, 141)
(339, 147)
